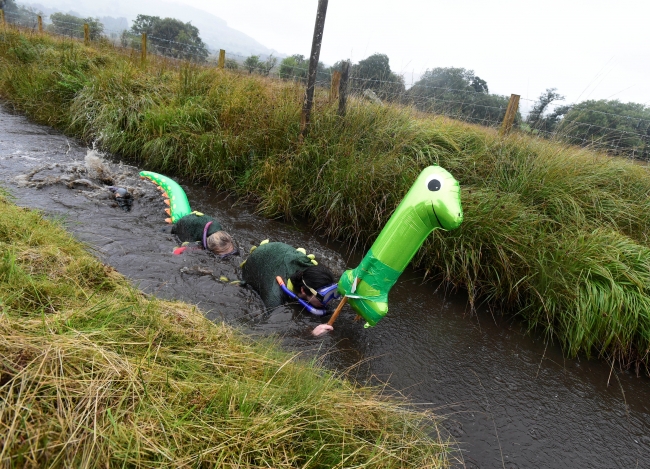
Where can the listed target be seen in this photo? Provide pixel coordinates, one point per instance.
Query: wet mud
(510, 400)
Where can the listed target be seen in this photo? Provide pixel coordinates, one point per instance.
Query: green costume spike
(179, 206)
(432, 202)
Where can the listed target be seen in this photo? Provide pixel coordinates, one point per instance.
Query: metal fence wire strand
(468, 105)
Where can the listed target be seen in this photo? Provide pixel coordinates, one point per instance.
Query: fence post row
(86, 34)
(40, 24)
(313, 66)
(511, 112)
(143, 48)
(222, 59)
(343, 87)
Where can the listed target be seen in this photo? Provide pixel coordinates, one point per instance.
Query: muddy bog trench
(509, 399)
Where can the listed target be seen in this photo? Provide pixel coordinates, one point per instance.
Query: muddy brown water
(510, 400)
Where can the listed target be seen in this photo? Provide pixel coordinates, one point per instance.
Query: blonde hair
(220, 243)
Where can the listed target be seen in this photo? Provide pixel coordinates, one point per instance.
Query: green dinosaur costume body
(190, 227)
(268, 261)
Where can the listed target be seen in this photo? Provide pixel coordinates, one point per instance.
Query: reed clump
(556, 234)
(95, 374)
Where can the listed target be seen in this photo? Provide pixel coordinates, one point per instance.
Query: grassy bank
(94, 374)
(555, 234)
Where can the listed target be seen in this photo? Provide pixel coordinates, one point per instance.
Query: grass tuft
(94, 374)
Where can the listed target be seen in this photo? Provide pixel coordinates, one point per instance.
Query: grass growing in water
(94, 374)
(557, 234)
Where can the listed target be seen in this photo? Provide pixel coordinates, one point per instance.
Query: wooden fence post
(313, 66)
(222, 59)
(86, 34)
(334, 89)
(2, 17)
(143, 48)
(343, 87)
(511, 112)
(40, 24)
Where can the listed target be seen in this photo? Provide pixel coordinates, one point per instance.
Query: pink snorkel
(205, 232)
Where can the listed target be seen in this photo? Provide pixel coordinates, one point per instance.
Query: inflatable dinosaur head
(435, 196)
(432, 202)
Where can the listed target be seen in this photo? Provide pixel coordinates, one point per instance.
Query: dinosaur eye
(434, 184)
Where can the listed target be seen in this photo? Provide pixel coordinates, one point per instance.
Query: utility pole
(313, 66)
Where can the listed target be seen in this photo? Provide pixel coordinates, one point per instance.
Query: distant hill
(119, 14)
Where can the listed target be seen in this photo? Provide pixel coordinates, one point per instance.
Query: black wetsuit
(190, 227)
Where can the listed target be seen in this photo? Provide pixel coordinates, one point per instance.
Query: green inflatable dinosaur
(432, 202)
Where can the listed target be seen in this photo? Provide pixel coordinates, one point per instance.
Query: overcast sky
(591, 49)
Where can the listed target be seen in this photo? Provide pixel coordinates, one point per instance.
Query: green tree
(374, 73)
(440, 80)
(231, 64)
(479, 85)
(458, 93)
(171, 37)
(255, 64)
(124, 38)
(294, 67)
(252, 63)
(71, 25)
(536, 119)
(267, 65)
(613, 126)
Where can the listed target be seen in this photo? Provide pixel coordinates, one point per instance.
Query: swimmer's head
(221, 244)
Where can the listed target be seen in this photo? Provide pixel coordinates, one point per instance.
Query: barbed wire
(356, 78)
(555, 105)
(437, 105)
(174, 42)
(20, 18)
(612, 114)
(594, 141)
(578, 123)
(585, 142)
(424, 97)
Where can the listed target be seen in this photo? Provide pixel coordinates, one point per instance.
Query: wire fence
(613, 133)
(618, 134)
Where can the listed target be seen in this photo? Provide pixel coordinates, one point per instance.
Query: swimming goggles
(306, 305)
(324, 294)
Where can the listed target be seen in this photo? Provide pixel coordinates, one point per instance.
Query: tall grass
(94, 374)
(553, 233)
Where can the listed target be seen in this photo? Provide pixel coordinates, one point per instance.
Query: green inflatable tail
(179, 206)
